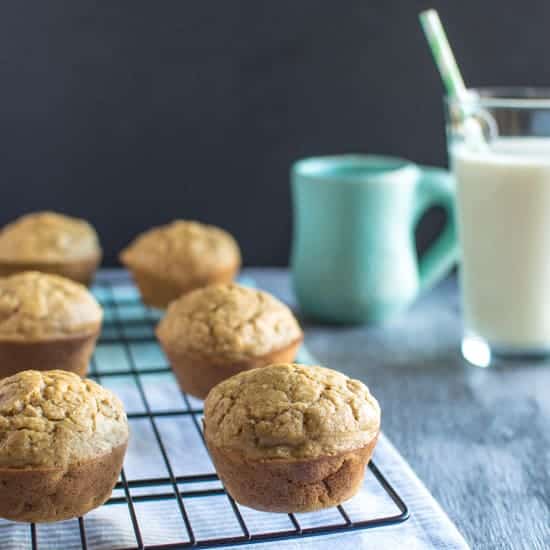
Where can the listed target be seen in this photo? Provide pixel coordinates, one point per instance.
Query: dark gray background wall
(134, 113)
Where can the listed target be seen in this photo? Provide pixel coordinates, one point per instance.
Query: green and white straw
(442, 54)
(450, 74)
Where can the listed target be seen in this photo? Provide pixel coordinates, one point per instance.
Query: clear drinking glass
(499, 149)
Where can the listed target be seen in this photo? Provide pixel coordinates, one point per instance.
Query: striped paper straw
(452, 79)
(442, 54)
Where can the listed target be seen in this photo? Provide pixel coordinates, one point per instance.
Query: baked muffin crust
(39, 306)
(183, 250)
(53, 419)
(290, 411)
(229, 321)
(48, 237)
(62, 445)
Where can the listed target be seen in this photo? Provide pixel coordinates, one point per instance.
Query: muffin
(51, 243)
(173, 259)
(215, 332)
(62, 443)
(46, 322)
(291, 438)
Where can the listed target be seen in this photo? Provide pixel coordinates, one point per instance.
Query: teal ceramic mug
(353, 253)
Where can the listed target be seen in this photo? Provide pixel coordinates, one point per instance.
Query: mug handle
(436, 188)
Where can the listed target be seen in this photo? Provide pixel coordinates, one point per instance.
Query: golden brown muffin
(51, 243)
(46, 322)
(173, 259)
(62, 443)
(291, 438)
(215, 332)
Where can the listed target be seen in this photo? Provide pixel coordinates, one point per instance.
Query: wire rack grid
(169, 495)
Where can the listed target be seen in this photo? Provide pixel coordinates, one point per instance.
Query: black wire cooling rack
(174, 507)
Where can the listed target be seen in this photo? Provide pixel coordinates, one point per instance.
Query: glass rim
(505, 97)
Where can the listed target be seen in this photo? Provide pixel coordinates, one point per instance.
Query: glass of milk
(499, 147)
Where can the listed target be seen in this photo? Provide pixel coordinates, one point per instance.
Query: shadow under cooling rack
(169, 495)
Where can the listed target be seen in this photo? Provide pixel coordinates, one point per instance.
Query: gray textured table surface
(478, 438)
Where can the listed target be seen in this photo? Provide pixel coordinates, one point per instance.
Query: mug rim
(317, 168)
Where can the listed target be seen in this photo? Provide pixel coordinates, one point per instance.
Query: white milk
(503, 198)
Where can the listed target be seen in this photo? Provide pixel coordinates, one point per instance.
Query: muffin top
(228, 321)
(183, 250)
(48, 237)
(290, 411)
(55, 418)
(39, 306)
